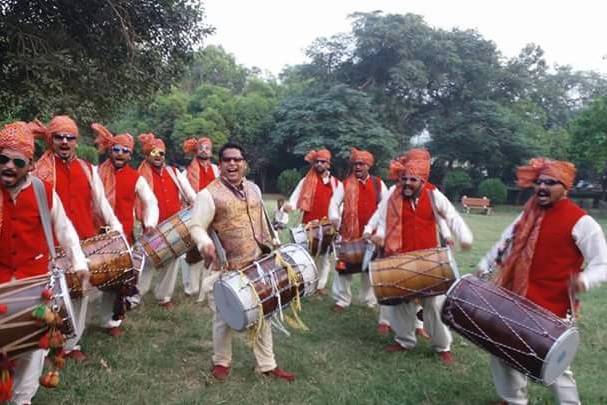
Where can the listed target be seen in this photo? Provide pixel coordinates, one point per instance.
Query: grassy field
(164, 358)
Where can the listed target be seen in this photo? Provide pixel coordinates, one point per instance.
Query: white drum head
(299, 236)
(305, 264)
(75, 325)
(229, 304)
(560, 356)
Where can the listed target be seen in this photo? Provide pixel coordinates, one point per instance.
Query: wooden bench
(478, 203)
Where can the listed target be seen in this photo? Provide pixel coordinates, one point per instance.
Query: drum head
(560, 356)
(73, 325)
(229, 305)
(299, 235)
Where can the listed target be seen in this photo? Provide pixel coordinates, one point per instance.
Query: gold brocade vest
(239, 223)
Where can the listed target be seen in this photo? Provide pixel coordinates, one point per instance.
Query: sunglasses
(548, 182)
(157, 152)
(410, 179)
(19, 163)
(118, 149)
(61, 138)
(234, 159)
(321, 161)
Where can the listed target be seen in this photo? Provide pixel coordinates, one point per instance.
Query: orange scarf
(308, 189)
(350, 225)
(107, 173)
(514, 274)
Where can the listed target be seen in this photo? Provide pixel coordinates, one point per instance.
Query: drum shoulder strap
(437, 217)
(45, 213)
(173, 177)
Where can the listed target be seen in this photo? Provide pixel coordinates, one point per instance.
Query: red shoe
(115, 332)
(447, 358)
(421, 332)
(77, 355)
(340, 266)
(280, 373)
(338, 309)
(383, 329)
(220, 373)
(167, 305)
(395, 348)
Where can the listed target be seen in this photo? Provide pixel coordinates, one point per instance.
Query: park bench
(478, 203)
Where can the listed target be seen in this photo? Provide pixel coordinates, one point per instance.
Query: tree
(88, 58)
(589, 135)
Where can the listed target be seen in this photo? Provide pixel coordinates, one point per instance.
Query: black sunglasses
(548, 182)
(321, 161)
(19, 163)
(232, 159)
(61, 138)
(118, 149)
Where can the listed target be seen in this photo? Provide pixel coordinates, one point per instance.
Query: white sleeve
(378, 220)
(148, 201)
(454, 220)
(102, 205)
(203, 212)
(292, 203)
(590, 239)
(66, 235)
(186, 187)
(336, 200)
(371, 226)
(215, 169)
(487, 263)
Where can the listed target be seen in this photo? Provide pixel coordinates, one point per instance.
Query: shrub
(88, 153)
(456, 181)
(494, 189)
(287, 181)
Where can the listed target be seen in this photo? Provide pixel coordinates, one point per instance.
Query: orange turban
(561, 170)
(106, 140)
(416, 162)
(190, 146)
(149, 142)
(18, 136)
(314, 155)
(62, 124)
(357, 155)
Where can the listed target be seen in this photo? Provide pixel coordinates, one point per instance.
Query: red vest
(166, 192)
(206, 176)
(24, 250)
(320, 205)
(367, 201)
(74, 189)
(126, 180)
(556, 258)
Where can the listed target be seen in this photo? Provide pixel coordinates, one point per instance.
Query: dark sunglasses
(321, 161)
(234, 159)
(61, 138)
(20, 163)
(548, 182)
(118, 149)
(410, 179)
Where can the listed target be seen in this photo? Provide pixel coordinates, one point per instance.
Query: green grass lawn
(165, 357)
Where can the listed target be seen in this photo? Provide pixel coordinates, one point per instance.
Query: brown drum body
(193, 256)
(350, 256)
(321, 235)
(416, 274)
(526, 336)
(110, 263)
(169, 240)
(20, 330)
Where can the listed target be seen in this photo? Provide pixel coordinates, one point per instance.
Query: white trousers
(263, 349)
(341, 290)
(193, 276)
(324, 264)
(106, 310)
(511, 385)
(165, 285)
(404, 321)
(28, 370)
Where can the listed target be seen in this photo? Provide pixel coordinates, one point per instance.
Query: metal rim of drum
(223, 292)
(559, 355)
(67, 302)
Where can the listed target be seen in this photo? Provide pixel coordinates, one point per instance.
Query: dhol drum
(263, 288)
(299, 236)
(169, 240)
(21, 332)
(526, 336)
(111, 263)
(321, 235)
(416, 274)
(354, 256)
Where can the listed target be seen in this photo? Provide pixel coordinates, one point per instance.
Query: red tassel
(3, 309)
(7, 371)
(44, 342)
(47, 294)
(50, 379)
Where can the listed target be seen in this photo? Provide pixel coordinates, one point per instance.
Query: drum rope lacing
(415, 273)
(507, 322)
